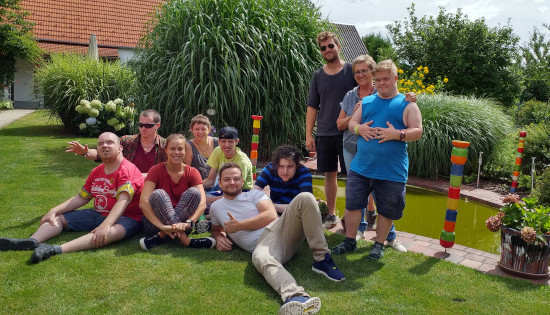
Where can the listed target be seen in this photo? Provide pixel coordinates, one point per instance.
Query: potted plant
(525, 236)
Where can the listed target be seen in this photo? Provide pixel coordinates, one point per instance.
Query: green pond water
(424, 215)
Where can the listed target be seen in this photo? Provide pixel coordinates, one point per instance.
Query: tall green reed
(236, 57)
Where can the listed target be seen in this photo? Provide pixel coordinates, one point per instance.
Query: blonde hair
(385, 65)
(325, 35)
(200, 119)
(363, 59)
(173, 137)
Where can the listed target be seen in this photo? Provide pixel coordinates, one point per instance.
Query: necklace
(367, 93)
(147, 148)
(200, 147)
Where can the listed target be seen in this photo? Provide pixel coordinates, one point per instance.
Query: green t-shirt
(217, 159)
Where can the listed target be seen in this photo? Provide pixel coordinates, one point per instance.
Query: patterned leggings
(162, 206)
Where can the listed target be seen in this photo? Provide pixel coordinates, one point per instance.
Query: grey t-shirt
(325, 94)
(243, 207)
(348, 103)
(199, 161)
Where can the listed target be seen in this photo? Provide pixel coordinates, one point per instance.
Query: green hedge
(67, 79)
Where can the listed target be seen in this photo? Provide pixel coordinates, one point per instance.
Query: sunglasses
(331, 46)
(148, 126)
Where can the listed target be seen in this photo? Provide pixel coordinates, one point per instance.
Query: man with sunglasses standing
(328, 86)
(144, 149)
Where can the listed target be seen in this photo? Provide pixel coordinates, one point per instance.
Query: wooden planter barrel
(522, 259)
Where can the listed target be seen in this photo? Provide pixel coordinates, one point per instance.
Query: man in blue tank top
(385, 123)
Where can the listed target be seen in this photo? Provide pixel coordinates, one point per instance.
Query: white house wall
(23, 86)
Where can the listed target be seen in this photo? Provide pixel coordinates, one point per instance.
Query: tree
(232, 59)
(477, 59)
(535, 62)
(15, 40)
(379, 47)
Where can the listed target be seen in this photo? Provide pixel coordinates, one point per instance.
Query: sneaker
(17, 243)
(371, 220)
(330, 221)
(396, 244)
(377, 251)
(344, 247)
(328, 268)
(301, 305)
(146, 243)
(360, 235)
(204, 242)
(42, 252)
(202, 226)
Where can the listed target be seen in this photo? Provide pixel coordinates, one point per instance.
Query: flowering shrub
(531, 219)
(415, 82)
(112, 116)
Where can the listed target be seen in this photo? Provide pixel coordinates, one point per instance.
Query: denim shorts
(88, 219)
(389, 196)
(329, 152)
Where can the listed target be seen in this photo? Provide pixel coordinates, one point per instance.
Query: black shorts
(329, 152)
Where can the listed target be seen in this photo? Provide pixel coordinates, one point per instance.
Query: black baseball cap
(228, 133)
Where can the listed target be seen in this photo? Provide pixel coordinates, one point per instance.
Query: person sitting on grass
(144, 150)
(250, 220)
(199, 149)
(227, 151)
(115, 185)
(285, 176)
(173, 199)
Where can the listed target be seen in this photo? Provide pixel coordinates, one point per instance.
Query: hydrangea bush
(97, 117)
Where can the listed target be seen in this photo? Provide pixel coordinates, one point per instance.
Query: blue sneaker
(301, 305)
(328, 268)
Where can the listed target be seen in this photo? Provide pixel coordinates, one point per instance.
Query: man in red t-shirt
(115, 185)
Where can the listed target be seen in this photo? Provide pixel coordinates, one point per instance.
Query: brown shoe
(371, 220)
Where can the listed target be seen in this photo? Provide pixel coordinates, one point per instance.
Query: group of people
(164, 185)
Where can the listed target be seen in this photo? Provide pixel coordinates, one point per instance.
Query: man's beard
(233, 194)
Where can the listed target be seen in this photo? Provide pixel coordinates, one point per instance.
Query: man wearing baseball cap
(227, 151)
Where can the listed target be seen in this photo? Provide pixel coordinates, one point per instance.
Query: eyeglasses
(363, 72)
(331, 46)
(148, 126)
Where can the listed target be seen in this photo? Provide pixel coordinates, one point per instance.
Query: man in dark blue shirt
(285, 176)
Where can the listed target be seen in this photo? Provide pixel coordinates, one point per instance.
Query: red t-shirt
(144, 160)
(159, 175)
(105, 188)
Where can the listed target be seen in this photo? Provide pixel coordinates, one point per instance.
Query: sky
(371, 16)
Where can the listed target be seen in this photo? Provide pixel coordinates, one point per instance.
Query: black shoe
(146, 243)
(205, 242)
(17, 243)
(42, 252)
(202, 226)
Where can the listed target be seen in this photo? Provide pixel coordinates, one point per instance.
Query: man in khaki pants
(249, 219)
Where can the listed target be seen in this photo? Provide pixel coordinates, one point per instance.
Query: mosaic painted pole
(519, 159)
(254, 145)
(459, 155)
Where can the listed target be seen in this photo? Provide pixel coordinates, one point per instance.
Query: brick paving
(458, 254)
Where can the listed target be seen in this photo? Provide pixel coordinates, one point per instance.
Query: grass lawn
(36, 174)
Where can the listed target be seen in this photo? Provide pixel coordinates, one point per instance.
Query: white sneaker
(396, 244)
(360, 235)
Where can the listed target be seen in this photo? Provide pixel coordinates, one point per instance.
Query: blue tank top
(388, 160)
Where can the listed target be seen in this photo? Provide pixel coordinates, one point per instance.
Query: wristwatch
(402, 135)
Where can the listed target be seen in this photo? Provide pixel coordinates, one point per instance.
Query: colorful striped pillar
(459, 155)
(254, 144)
(519, 159)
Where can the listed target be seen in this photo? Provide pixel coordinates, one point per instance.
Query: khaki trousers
(282, 238)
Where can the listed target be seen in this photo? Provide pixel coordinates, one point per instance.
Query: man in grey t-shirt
(328, 86)
(249, 219)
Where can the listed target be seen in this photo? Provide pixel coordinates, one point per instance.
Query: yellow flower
(401, 81)
(418, 82)
(445, 80)
(423, 86)
(401, 71)
(419, 68)
(414, 90)
(426, 70)
(421, 76)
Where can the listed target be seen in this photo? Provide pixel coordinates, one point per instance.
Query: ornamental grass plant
(66, 79)
(234, 59)
(445, 118)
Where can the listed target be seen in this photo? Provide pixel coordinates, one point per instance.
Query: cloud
(372, 27)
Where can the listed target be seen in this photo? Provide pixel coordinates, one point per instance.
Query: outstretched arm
(77, 148)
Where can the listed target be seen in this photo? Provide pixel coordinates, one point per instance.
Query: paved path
(11, 115)
(458, 254)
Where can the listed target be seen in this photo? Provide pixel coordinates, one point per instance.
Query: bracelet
(356, 129)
